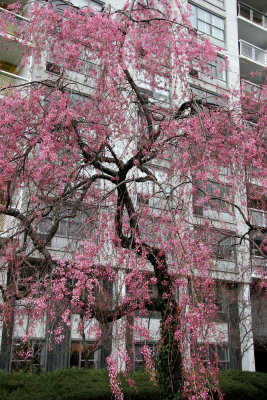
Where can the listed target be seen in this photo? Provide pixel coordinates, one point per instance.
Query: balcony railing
(15, 23)
(253, 52)
(252, 14)
(7, 80)
(252, 88)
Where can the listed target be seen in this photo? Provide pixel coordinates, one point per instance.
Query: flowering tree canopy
(119, 181)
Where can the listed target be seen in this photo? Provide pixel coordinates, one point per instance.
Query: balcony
(252, 59)
(251, 89)
(252, 25)
(16, 21)
(252, 52)
(252, 15)
(7, 80)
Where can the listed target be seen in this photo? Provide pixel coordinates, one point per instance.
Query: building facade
(239, 30)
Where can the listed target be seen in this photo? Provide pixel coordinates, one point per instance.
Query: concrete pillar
(245, 327)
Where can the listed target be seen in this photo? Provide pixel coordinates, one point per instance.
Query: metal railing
(253, 52)
(14, 26)
(7, 80)
(251, 14)
(252, 88)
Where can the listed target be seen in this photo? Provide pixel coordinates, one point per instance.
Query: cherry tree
(110, 148)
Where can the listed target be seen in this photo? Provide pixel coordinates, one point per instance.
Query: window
(258, 244)
(217, 68)
(256, 197)
(162, 86)
(223, 245)
(54, 68)
(29, 273)
(156, 4)
(220, 353)
(138, 362)
(153, 291)
(2, 216)
(27, 355)
(70, 227)
(82, 355)
(223, 357)
(61, 5)
(103, 292)
(207, 23)
(222, 307)
(76, 223)
(258, 217)
(212, 195)
(207, 98)
(155, 196)
(257, 204)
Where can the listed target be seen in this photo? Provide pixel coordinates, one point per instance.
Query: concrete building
(239, 30)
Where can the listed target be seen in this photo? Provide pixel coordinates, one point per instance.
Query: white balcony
(252, 59)
(16, 22)
(251, 88)
(10, 50)
(252, 52)
(252, 25)
(252, 15)
(8, 80)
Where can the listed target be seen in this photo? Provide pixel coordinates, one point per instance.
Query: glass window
(220, 353)
(193, 16)
(159, 197)
(212, 196)
(222, 244)
(207, 22)
(217, 68)
(224, 247)
(223, 357)
(95, 5)
(258, 244)
(82, 355)
(139, 359)
(204, 16)
(80, 224)
(61, 5)
(160, 92)
(207, 98)
(27, 355)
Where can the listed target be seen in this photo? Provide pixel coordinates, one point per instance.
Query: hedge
(72, 384)
(243, 385)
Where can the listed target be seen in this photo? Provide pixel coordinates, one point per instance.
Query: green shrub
(72, 384)
(243, 385)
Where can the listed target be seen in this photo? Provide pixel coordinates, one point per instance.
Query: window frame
(213, 350)
(218, 69)
(138, 359)
(219, 204)
(65, 223)
(162, 93)
(150, 194)
(61, 5)
(196, 21)
(93, 360)
(36, 360)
